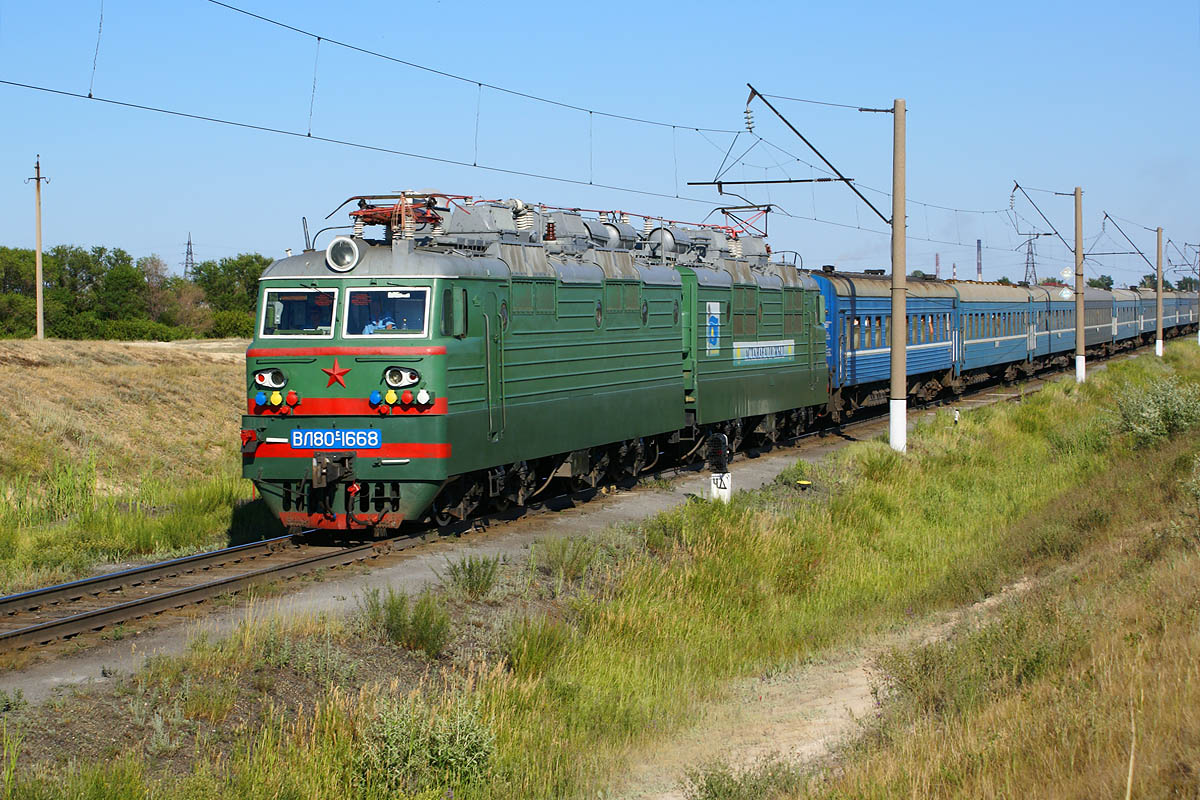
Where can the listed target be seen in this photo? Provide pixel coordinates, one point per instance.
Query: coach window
(292, 313)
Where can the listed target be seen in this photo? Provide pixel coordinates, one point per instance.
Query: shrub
(769, 778)
(1191, 484)
(429, 626)
(17, 316)
(409, 747)
(1157, 410)
(232, 325)
(387, 616)
(568, 558)
(84, 325)
(384, 615)
(473, 575)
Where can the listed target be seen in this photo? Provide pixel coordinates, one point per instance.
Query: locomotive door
(495, 315)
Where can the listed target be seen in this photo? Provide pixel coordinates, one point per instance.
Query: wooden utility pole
(898, 396)
(1158, 327)
(37, 191)
(1080, 329)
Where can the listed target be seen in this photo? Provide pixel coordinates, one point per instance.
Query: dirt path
(798, 715)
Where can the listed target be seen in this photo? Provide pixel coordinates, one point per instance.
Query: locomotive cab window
(290, 313)
(390, 311)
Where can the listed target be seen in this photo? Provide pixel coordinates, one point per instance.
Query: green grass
(61, 526)
(388, 616)
(472, 576)
(707, 593)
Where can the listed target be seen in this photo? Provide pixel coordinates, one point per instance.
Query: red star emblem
(336, 373)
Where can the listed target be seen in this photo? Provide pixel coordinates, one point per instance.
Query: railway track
(40, 616)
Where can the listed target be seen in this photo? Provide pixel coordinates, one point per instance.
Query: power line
(96, 55)
(828, 163)
(1147, 228)
(453, 76)
(422, 156)
(1043, 216)
(882, 192)
(1131, 244)
(349, 143)
(820, 102)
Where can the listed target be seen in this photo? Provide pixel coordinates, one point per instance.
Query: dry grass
(1057, 697)
(112, 451)
(165, 409)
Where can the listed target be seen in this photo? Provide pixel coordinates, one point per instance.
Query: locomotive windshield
(298, 312)
(386, 312)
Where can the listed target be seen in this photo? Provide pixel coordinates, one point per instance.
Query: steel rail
(49, 630)
(136, 576)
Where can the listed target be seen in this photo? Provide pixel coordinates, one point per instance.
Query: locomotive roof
(501, 240)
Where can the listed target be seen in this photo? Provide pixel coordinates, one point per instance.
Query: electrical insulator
(549, 232)
(749, 120)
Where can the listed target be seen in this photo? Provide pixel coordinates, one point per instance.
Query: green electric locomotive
(478, 351)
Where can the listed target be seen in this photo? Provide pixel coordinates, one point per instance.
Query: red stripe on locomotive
(346, 406)
(424, 350)
(393, 450)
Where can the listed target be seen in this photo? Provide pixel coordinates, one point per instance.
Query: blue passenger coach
(964, 332)
(858, 319)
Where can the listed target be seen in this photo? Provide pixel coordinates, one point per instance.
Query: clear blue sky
(1054, 95)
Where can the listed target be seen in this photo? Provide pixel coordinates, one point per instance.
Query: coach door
(495, 319)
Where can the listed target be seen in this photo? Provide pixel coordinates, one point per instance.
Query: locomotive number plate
(336, 438)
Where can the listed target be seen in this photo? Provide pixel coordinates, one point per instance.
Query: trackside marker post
(721, 481)
(722, 487)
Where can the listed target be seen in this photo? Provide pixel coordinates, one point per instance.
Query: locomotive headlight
(341, 254)
(270, 378)
(399, 377)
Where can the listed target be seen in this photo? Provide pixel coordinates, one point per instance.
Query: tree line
(103, 293)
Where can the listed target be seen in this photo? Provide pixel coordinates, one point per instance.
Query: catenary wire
(453, 76)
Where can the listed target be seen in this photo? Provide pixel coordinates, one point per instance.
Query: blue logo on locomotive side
(713, 328)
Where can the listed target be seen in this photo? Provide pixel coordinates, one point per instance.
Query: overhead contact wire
(451, 75)
(348, 143)
(96, 55)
